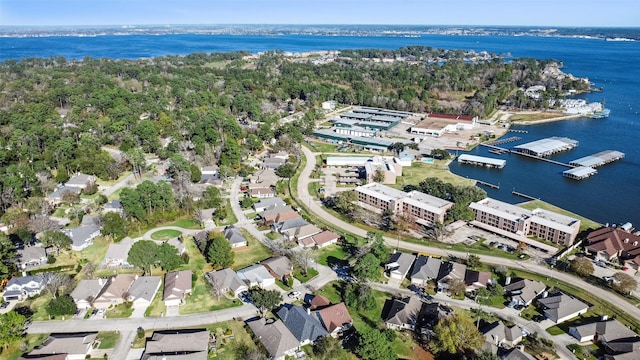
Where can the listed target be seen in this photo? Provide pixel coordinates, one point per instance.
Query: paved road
(306, 199)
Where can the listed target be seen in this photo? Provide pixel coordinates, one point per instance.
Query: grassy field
(202, 300)
(185, 223)
(418, 171)
(254, 253)
(533, 117)
(120, 311)
(331, 254)
(108, 339)
(165, 234)
(13, 350)
(157, 307)
(228, 348)
(584, 222)
(311, 273)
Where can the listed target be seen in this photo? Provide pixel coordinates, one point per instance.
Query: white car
(294, 294)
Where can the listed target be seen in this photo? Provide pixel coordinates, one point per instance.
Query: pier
(599, 159)
(505, 140)
(493, 186)
(523, 195)
(482, 161)
(499, 151)
(519, 131)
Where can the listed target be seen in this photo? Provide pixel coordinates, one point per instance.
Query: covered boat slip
(599, 159)
(580, 172)
(546, 147)
(482, 161)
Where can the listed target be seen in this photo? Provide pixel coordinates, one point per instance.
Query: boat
(601, 114)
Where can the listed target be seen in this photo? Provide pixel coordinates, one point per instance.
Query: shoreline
(554, 119)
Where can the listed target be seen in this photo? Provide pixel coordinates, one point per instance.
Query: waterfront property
(562, 307)
(440, 124)
(518, 223)
(482, 161)
(546, 147)
(599, 159)
(368, 143)
(389, 166)
(424, 209)
(612, 244)
(580, 172)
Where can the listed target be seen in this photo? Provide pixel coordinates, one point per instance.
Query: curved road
(308, 201)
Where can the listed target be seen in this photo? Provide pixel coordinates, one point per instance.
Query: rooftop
(544, 147)
(383, 192)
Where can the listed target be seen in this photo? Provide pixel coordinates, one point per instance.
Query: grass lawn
(96, 252)
(197, 261)
(227, 348)
(331, 254)
(253, 253)
(418, 171)
(529, 312)
(60, 212)
(311, 273)
(201, 299)
(139, 343)
(319, 146)
(120, 311)
(165, 234)
(283, 286)
(115, 195)
(13, 352)
(584, 222)
(38, 305)
(272, 235)
(108, 339)
(231, 217)
(157, 307)
(587, 352)
(185, 223)
(371, 318)
(533, 117)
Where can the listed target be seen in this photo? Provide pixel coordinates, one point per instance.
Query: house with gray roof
(83, 235)
(177, 285)
(30, 257)
(301, 233)
(56, 196)
(517, 354)
(275, 337)
(403, 313)
(399, 265)
(192, 344)
(117, 255)
(20, 288)
(280, 267)
(76, 345)
(113, 206)
(449, 272)
(498, 335)
(256, 275)
(86, 291)
(304, 327)
(235, 236)
(80, 181)
(290, 224)
(524, 291)
(612, 334)
(561, 307)
(425, 268)
(143, 290)
(268, 203)
(226, 280)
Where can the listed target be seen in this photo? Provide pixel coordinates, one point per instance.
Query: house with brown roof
(403, 313)
(177, 285)
(319, 302)
(278, 214)
(115, 292)
(280, 267)
(335, 318)
(320, 240)
(561, 307)
(76, 345)
(609, 244)
(477, 279)
(87, 290)
(449, 272)
(499, 335)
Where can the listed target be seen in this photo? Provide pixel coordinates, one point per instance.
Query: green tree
(473, 261)
(12, 327)
(328, 348)
(455, 334)
(265, 300)
(7, 257)
(367, 268)
(219, 252)
(143, 255)
(196, 174)
(211, 198)
(582, 266)
(115, 226)
(623, 283)
(286, 170)
(373, 345)
(378, 176)
(344, 203)
(57, 239)
(168, 257)
(61, 305)
(358, 296)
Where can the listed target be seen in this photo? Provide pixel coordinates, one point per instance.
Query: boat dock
(599, 159)
(499, 151)
(482, 161)
(519, 131)
(523, 195)
(493, 186)
(580, 172)
(505, 140)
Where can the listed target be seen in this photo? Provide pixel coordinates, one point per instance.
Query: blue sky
(420, 12)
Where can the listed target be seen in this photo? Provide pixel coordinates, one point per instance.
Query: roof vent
(635, 243)
(626, 240)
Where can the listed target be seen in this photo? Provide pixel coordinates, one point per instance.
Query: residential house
(399, 265)
(261, 192)
(20, 288)
(524, 291)
(177, 285)
(57, 195)
(30, 257)
(613, 335)
(86, 291)
(273, 162)
(304, 327)
(425, 268)
(278, 214)
(268, 203)
(190, 344)
(560, 307)
(296, 223)
(498, 335)
(143, 290)
(256, 275)
(266, 178)
(300, 233)
(77, 346)
(280, 267)
(235, 236)
(115, 292)
(226, 280)
(335, 318)
(117, 255)
(477, 279)
(114, 206)
(206, 216)
(177, 243)
(209, 171)
(449, 272)
(318, 302)
(517, 354)
(320, 240)
(201, 238)
(83, 235)
(403, 313)
(275, 337)
(80, 181)
(614, 243)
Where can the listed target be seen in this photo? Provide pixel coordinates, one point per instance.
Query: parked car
(294, 294)
(4, 305)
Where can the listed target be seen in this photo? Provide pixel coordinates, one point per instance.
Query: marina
(602, 114)
(481, 161)
(579, 173)
(506, 140)
(599, 159)
(546, 147)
